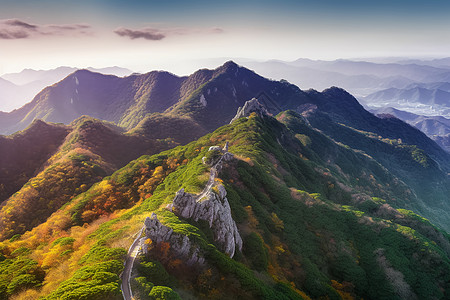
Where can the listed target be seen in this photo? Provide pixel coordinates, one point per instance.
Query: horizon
(218, 61)
(142, 35)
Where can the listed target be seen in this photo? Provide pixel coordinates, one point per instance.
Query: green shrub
(255, 251)
(155, 272)
(163, 293)
(142, 287)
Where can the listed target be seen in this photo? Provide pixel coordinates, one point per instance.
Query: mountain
(23, 86)
(314, 219)
(305, 194)
(51, 76)
(421, 100)
(416, 72)
(8, 90)
(152, 103)
(46, 165)
(24, 153)
(312, 74)
(125, 101)
(435, 127)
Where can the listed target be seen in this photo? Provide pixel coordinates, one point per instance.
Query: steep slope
(426, 178)
(92, 150)
(435, 127)
(303, 204)
(124, 101)
(23, 154)
(343, 108)
(30, 82)
(215, 103)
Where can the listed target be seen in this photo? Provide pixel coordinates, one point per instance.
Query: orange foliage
(44, 194)
(344, 289)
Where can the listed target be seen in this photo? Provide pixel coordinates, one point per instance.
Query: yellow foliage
(26, 295)
(158, 171)
(277, 221)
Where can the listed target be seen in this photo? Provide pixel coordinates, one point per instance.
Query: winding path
(135, 247)
(128, 268)
(210, 183)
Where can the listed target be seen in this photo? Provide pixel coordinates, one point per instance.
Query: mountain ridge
(317, 218)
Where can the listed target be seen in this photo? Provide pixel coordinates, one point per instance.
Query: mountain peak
(249, 107)
(228, 67)
(230, 64)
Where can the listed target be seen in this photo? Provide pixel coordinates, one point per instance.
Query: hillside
(317, 219)
(305, 195)
(124, 101)
(435, 127)
(47, 165)
(24, 154)
(17, 89)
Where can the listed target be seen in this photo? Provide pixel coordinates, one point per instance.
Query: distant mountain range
(160, 105)
(421, 87)
(17, 89)
(436, 127)
(305, 194)
(416, 99)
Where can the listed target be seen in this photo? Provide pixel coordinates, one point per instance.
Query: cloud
(12, 35)
(145, 33)
(12, 29)
(18, 23)
(70, 26)
(156, 34)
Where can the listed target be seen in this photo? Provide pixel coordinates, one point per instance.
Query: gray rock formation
(214, 208)
(222, 154)
(225, 148)
(250, 106)
(180, 244)
(210, 205)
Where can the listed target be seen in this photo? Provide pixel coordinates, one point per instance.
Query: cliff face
(214, 208)
(211, 205)
(180, 244)
(250, 106)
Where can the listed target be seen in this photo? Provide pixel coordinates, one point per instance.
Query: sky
(181, 36)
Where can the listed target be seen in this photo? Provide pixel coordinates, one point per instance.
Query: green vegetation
(317, 220)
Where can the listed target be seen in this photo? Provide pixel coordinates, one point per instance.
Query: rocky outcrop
(250, 106)
(214, 208)
(211, 205)
(180, 244)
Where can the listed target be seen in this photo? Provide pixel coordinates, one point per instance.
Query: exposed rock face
(250, 106)
(179, 243)
(215, 209)
(210, 205)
